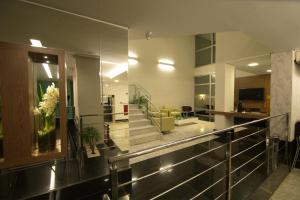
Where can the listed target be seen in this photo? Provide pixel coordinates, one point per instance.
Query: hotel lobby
(123, 100)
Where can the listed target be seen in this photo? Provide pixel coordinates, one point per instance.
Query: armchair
(166, 124)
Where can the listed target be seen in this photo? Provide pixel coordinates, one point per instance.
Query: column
(224, 94)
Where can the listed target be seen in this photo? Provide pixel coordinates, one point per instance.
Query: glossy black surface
(66, 178)
(91, 180)
(163, 181)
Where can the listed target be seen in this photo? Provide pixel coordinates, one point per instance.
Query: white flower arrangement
(46, 108)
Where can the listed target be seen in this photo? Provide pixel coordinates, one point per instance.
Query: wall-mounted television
(256, 94)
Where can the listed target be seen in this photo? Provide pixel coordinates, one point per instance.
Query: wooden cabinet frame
(18, 102)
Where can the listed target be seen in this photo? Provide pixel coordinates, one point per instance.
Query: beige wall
(236, 45)
(88, 92)
(167, 88)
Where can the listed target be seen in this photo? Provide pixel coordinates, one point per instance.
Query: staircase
(140, 128)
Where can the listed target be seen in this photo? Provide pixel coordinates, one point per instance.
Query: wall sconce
(132, 61)
(166, 65)
(132, 58)
(202, 97)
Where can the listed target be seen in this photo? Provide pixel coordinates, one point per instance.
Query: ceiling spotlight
(254, 64)
(148, 35)
(46, 57)
(47, 61)
(36, 43)
(269, 70)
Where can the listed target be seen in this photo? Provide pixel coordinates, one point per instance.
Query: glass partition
(46, 136)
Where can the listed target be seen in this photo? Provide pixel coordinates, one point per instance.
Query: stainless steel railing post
(114, 181)
(267, 138)
(229, 136)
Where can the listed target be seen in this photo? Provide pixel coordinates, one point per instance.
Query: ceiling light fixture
(109, 62)
(46, 57)
(166, 65)
(269, 70)
(132, 61)
(121, 68)
(254, 64)
(36, 43)
(132, 54)
(47, 70)
(47, 61)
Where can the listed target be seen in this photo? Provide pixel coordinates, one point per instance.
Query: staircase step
(138, 123)
(142, 130)
(133, 106)
(139, 116)
(144, 138)
(135, 111)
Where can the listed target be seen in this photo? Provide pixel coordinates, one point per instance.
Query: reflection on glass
(1, 131)
(46, 98)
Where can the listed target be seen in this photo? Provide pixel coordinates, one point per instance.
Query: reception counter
(246, 115)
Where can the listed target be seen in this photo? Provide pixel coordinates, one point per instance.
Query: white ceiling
(264, 63)
(274, 23)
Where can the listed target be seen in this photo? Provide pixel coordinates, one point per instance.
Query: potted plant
(142, 101)
(46, 135)
(91, 136)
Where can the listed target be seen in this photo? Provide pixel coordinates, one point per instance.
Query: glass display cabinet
(33, 109)
(45, 82)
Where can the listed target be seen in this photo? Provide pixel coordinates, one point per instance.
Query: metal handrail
(147, 96)
(229, 186)
(99, 115)
(171, 144)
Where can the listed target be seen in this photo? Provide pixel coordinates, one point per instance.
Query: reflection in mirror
(46, 97)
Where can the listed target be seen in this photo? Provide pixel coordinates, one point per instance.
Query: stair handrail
(149, 105)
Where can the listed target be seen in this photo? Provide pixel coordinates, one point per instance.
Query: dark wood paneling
(18, 103)
(261, 81)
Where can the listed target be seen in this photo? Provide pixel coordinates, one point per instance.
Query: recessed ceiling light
(116, 81)
(47, 61)
(36, 43)
(47, 70)
(269, 70)
(116, 71)
(254, 64)
(46, 57)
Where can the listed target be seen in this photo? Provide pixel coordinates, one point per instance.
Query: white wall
(167, 88)
(120, 91)
(236, 45)
(88, 92)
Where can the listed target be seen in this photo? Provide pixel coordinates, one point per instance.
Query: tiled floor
(289, 188)
(119, 134)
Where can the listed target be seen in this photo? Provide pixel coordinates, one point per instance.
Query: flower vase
(46, 136)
